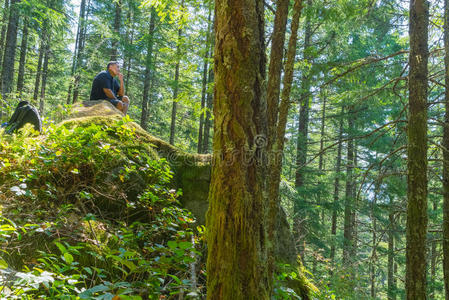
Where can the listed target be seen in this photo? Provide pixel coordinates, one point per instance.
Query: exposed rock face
(192, 174)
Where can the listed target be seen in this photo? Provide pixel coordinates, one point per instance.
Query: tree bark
(415, 280)
(446, 154)
(175, 90)
(236, 226)
(23, 53)
(7, 76)
(148, 68)
(207, 55)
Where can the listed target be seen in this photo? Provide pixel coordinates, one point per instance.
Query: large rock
(192, 174)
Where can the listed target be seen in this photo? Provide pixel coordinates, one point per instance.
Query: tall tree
(348, 229)
(22, 60)
(336, 195)
(7, 75)
(207, 54)
(175, 88)
(446, 154)
(391, 283)
(116, 37)
(44, 72)
(5, 15)
(37, 80)
(301, 146)
(237, 233)
(79, 51)
(415, 279)
(149, 66)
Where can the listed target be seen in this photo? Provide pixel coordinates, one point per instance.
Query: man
(104, 87)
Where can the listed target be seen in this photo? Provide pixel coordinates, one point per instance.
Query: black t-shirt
(103, 80)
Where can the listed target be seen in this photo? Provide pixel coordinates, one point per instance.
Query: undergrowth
(89, 213)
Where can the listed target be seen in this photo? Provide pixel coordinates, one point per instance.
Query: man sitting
(104, 87)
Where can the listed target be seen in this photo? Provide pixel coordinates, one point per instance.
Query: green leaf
(68, 258)
(172, 244)
(3, 264)
(61, 247)
(87, 294)
(185, 245)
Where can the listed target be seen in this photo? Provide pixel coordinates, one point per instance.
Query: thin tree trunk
(336, 190)
(207, 122)
(116, 38)
(39, 70)
(7, 75)
(23, 53)
(433, 258)
(374, 242)
(321, 158)
(277, 128)
(391, 286)
(44, 75)
(148, 68)
(301, 146)
(446, 155)
(349, 201)
(175, 90)
(129, 43)
(80, 50)
(5, 17)
(415, 279)
(236, 226)
(207, 54)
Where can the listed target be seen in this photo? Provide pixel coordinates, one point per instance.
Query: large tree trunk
(415, 279)
(148, 68)
(336, 190)
(175, 90)
(23, 53)
(7, 75)
(446, 155)
(236, 227)
(116, 38)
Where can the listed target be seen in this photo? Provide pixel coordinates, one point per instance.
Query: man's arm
(121, 91)
(109, 93)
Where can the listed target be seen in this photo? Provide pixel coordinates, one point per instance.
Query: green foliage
(73, 228)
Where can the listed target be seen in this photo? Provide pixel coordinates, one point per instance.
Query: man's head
(113, 68)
